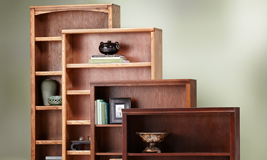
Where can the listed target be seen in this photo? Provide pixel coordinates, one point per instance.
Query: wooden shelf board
(110, 65)
(182, 154)
(48, 107)
(110, 30)
(78, 122)
(84, 152)
(78, 92)
(108, 153)
(48, 73)
(108, 125)
(48, 38)
(48, 142)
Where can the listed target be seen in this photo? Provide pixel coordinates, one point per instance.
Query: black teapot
(109, 48)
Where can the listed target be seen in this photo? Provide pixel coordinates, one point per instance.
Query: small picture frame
(115, 106)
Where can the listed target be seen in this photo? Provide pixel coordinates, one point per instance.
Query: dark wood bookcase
(106, 140)
(195, 133)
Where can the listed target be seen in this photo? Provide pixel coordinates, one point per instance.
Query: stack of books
(96, 59)
(101, 112)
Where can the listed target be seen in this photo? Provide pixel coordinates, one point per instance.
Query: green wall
(220, 43)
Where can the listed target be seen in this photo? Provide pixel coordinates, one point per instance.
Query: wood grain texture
(116, 16)
(78, 122)
(48, 39)
(158, 54)
(113, 65)
(48, 56)
(48, 108)
(48, 142)
(110, 30)
(78, 92)
(74, 132)
(78, 107)
(201, 132)
(33, 103)
(51, 25)
(47, 150)
(51, 73)
(48, 125)
(108, 140)
(60, 8)
(71, 152)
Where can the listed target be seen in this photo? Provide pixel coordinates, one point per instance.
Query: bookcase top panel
(58, 8)
(162, 111)
(143, 82)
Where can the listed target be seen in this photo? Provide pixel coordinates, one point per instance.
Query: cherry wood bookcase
(106, 140)
(47, 22)
(142, 46)
(195, 133)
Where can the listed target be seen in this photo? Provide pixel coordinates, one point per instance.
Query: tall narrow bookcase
(47, 22)
(142, 46)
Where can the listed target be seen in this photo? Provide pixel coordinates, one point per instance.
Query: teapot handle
(117, 45)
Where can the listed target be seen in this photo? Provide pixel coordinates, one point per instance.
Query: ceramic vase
(49, 88)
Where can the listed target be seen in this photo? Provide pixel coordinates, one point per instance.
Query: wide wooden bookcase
(106, 140)
(47, 22)
(195, 133)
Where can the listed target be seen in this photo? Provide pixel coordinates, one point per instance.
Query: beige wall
(221, 43)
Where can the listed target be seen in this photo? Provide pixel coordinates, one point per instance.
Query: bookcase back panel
(81, 78)
(47, 150)
(78, 157)
(108, 139)
(136, 47)
(74, 132)
(38, 92)
(178, 158)
(108, 157)
(188, 132)
(48, 125)
(48, 56)
(78, 107)
(51, 24)
(146, 96)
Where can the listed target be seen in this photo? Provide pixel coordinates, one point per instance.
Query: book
(106, 113)
(106, 55)
(118, 57)
(96, 61)
(53, 157)
(103, 104)
(97, 104)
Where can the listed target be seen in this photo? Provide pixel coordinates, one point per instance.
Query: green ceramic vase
(49, 88)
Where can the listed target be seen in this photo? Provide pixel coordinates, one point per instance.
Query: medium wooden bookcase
(47, 22)
(142, 46)
(195, 133)
(106, 140)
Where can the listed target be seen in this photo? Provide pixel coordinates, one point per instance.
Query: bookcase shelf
(113, 65)
(48, 108)
(108, 154)
(47, 22)
(48, 38)
(48, 142)
(78, 92)
(48, 73)
(78, 122)
(70, 152)
(109, 125)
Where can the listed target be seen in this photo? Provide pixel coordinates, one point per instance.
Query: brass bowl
(152, 138)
